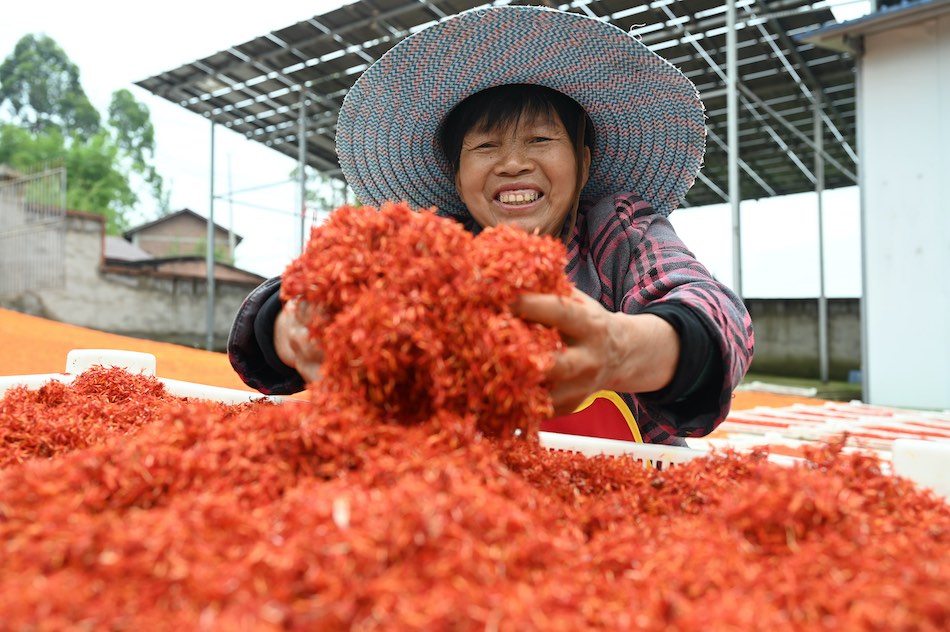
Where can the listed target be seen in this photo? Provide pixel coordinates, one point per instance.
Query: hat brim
(648, 119)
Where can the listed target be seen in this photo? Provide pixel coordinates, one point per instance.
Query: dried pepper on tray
(56, 419)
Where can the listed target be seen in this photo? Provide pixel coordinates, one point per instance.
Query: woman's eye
(540, 139)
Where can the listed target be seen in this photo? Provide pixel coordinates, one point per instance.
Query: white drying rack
(925, 462)
(79, 360)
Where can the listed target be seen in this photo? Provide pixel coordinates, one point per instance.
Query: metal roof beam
(304, 58)
(716, 68)
(431, 7)
(217, 111)
(702, 177)
(280, 77)
(768, 128)
(342, 30)
(708, 27)
(775, 136)
(809, 76)
(287, 128)
(357, 49)
(318, 136)
(797, 133)
(742, 164)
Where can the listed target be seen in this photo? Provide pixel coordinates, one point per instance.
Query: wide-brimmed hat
(649, 122)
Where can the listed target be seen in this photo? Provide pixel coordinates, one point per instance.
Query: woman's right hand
(293, 343)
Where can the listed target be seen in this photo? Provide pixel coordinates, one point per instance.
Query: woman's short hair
(501, 106)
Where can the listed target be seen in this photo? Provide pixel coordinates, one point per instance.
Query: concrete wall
(159, 307)
(786, 337)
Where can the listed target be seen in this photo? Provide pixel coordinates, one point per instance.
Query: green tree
(93, 181)
(50, 122)
(134, 135)
(323, 193)
(41, 86)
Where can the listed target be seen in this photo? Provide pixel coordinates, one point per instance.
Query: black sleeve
(251, 344)
(693, 393)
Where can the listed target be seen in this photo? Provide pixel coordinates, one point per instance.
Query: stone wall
(164, 307)
(786, 337)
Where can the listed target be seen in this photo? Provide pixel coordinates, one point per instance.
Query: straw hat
(649, 122)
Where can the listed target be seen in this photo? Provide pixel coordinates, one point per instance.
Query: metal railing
(32, 232)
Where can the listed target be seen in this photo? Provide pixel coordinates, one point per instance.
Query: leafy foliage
(41, 85)
(51, 122)
(135, 137)
(94, 183)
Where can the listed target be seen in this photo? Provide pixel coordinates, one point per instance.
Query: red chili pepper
(414, 316)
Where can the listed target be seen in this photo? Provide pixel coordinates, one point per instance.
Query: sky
(115, 44)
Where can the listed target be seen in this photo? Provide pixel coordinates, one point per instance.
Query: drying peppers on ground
(396, 500)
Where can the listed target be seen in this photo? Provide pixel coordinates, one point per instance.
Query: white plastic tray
(79, 360)
(925, 462)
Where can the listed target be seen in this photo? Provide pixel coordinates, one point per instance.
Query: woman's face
(524, 174)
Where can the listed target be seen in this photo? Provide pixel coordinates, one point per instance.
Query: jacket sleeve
(643, 264)
(251, 344)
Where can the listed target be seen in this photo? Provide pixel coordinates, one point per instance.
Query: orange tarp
(30, 345)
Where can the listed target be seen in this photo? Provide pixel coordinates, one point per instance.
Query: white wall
(905, 136)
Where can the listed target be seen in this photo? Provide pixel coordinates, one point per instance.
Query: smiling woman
(521, 156)
(497, 116)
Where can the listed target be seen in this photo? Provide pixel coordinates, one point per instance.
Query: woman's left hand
(604, 350)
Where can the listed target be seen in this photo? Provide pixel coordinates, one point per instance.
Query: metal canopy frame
(293, 80)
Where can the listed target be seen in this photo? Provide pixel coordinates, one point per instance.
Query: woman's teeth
(518, 197)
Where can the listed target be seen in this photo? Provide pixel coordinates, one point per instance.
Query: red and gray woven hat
(648, 119)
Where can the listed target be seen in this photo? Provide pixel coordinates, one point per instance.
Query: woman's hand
(603, 350)
(293, 343)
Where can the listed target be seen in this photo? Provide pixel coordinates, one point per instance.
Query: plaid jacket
(629, 258)
(624, 255)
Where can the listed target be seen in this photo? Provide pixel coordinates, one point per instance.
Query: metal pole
(822, 300)
(732, 144)
(232, 238)
(866, 395)
(302, 167)
(209, 254)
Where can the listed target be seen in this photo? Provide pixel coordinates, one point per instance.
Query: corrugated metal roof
(845, 36)
(201, 219)
(121, 250)
(255, 88)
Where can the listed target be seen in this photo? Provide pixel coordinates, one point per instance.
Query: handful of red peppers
(414, 316)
